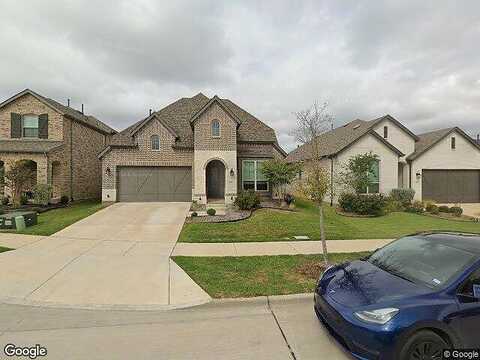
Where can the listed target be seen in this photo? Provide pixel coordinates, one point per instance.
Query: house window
(30, 126)
(452, 143)
(215, 128)
(155, 142)
(374, 179)
(385, 132)
(252, 176)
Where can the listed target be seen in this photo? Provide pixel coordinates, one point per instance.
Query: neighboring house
(199, 148)
(60, 143)
(442, 165)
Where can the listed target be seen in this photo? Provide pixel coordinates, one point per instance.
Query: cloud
(415, 61)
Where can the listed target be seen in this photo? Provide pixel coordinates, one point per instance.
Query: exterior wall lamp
(108, 171)
(418, 175)
(232, 172)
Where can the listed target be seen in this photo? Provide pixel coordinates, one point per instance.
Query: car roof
(462, 241)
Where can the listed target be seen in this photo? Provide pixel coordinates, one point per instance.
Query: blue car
(411, 299)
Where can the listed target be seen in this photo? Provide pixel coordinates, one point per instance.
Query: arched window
(155, 142)
(215, 128)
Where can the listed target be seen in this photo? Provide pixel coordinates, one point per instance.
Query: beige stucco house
(60, 143)
(197, 148)
(442, 165)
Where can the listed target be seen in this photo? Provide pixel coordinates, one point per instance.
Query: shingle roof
(429, 139)
(28, 146)
(65, 110)
(177, 117)
(334, 141)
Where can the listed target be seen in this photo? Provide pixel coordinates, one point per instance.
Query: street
(255, 329)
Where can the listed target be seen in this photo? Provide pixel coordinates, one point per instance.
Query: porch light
(108, 171)
(418, 175)
(232, 172)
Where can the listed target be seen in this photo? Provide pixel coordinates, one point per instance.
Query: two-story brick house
(62, 144)
(193, 149)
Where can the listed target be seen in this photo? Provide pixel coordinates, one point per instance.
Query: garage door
(155, 184)
(451, 186)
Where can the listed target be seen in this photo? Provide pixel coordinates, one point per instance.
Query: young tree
(17, 177)
(279, 174)
(357, 173)
(311, 123)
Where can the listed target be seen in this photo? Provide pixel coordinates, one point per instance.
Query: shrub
(5, 200)
(405, 196)
(41, 194)
(23, 199)
(443, 208)
(416, 207)
(194, 214)
(456, 210)
(289, 198)
(363, 204)
(393, 205)
(435, 211)
(431, 208)
(211, 212)
(347, 201)
(64, 199)
(247, 200)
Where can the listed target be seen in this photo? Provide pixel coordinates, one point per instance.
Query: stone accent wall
(28, 104)
(202, 158)
(143, 156)
(203, 139)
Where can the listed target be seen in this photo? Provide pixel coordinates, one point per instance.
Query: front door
(215, 180)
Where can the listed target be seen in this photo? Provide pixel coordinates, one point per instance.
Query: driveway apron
(117, 258)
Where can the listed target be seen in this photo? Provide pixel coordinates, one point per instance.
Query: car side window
(466, 289)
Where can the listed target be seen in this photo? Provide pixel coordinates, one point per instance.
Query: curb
(104, 307)
(264, 299)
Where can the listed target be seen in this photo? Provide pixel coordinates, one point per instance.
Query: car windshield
(422, 260)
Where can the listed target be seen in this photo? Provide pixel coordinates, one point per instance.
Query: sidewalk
(276, 247)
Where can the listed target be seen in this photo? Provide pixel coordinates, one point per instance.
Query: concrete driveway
(117, 258)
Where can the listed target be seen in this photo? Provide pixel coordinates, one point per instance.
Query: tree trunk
(322, 235)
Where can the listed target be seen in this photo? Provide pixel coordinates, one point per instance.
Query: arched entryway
(215, 178)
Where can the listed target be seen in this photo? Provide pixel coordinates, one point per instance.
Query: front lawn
(276, 225)
(55, 220)
(230, 277)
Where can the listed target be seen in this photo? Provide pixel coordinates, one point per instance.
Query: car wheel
(424, 345)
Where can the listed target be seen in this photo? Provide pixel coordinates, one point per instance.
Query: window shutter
(16, 125)
(43, 126)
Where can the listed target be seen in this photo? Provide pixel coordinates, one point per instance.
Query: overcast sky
(416, 60)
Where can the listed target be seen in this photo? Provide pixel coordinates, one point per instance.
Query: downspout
(71, 160)
(331, 180)
(409, 174)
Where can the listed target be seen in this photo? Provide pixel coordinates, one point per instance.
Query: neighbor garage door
(155, 184)
(451, 186)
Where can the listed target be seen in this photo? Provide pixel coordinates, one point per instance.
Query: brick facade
(203, 139)
(72, 169)
(28, 104)
(206, 148)
(142, 155)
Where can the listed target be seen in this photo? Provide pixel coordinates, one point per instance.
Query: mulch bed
(447, 216)
(348, 214)
(230, 216)
(37, 208)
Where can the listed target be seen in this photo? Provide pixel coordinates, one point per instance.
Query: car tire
(424, 344)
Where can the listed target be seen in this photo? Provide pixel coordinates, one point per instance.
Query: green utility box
(8, 220)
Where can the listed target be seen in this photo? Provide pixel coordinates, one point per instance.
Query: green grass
(2, 249)
(230, 277)
(55, 220)
(275, 225)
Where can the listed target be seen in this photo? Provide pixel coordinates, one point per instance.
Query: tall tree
(311, 123)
